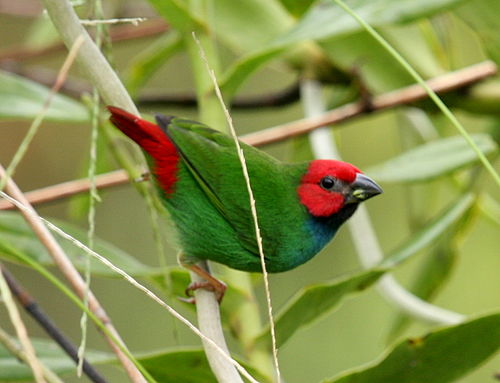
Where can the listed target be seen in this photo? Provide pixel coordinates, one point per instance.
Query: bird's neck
(324, 228)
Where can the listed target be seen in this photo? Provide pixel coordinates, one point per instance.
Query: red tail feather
(154, 141)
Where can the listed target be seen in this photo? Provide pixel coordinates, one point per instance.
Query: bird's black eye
(327, 183)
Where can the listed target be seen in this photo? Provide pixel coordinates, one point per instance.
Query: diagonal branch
(447, 82)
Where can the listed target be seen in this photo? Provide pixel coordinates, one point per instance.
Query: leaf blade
(439, 357)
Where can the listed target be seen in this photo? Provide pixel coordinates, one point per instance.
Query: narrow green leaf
(430, 278)
(326, 19)
(433, 159)
(439, 357)
(380, 73)
(12, 370)
(146, 63)
(430, 232)
(312, 302)
(297, 7)
(15, 234)
(177, 14)
(21, 98)
(248, 25)
(482, 16)
(443, 234)
(236, 75)
(185, 366)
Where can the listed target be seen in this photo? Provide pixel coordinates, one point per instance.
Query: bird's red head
(329, 185)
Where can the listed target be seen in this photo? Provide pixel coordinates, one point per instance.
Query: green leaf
(21, 98)
(178, 15)
(482, 16)
(432, 160)
(326, 19)
(297, 7)
(15, 234)
(312, 302)
(146, 63)
(248, 25)
(433, 230)
(12, 370)
(185, 366)
(430, 278)
(433, 273)
(439, 357)
(236, 75)
(376, 67)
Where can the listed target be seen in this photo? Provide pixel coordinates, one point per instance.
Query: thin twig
(70, 188)
(31, 306)
(407, 95)
(28, 210)
(71, 274)
(276, 99)
(91, 60)
(22, 333)
(253, 208)
(132, 20)
(152, 27)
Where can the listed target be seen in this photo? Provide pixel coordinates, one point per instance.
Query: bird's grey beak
(362, 189)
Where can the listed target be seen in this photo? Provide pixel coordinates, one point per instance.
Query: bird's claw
(218, 290)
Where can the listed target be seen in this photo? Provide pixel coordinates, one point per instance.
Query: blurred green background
(359, 331)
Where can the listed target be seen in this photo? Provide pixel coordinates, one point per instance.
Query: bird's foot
(219, 288)
(210, 283)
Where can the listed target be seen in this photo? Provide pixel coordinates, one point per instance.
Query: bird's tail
(154, 141)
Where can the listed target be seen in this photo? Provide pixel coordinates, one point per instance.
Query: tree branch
(151, 27)
(450, 81)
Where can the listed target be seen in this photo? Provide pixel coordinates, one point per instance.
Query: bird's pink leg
(211, 283)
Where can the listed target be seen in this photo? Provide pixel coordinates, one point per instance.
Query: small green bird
(199, 178)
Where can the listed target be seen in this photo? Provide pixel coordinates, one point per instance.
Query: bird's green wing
(213, 161)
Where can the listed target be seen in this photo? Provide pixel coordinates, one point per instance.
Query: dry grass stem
(253, 208)
(15, 350)
(22, 333)
(132, 20)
